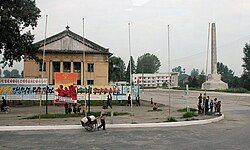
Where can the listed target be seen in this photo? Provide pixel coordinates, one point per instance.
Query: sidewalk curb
(113, 126)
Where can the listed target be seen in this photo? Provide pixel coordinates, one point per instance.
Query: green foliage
(185, 110)
(127, 76)
(246, 66)
(53, 116)
(103, 102)
(234, 90)
(164, 85)
(194, 72)
(171, 119)
(17, 16)
(148, 63)
(11, 74)
(154, 110)
(227, 75)
(179, 69)
(189, 114)
(116, 69)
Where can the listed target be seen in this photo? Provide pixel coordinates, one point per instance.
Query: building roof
(94, 48)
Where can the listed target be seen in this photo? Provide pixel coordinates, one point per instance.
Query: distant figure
(199, 104)
(206, 105)
(4, 104)
(151, 101)
(211, 106)
(203, 102)
(69, 109)
(109, 100)
(138, 101)
(215, 105)
(74, 108)
(103, 115)
(66, 106)
(155, 106)
(219, 107)
(129, 100)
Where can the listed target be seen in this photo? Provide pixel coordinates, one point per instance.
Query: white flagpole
(44, 47)
(83, 57)
(169, 73)
(130, 72)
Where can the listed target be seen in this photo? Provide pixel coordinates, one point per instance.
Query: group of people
(206, 105)
(69, 108)
(137, 100)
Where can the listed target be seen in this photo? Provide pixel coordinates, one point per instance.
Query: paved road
(231, 133)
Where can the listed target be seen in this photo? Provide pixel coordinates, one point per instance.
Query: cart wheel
(89, 127)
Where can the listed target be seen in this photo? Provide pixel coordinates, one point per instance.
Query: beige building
(65, 52)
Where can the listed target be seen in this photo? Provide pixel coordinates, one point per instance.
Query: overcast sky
(106, 23)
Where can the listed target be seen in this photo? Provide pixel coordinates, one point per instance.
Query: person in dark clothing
(200, 103)
(219, 107)
(151, 101)
(103, 116)
(211, 106)
(129, 100)
(4, 104)
(74, 108)
(206, 105)
(138, 101)
(69, 109)
(66, 106)
(109, 100)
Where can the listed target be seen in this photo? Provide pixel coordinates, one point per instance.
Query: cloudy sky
(107, 24)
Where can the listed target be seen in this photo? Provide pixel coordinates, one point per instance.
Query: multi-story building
(68, 52)
(156, 80)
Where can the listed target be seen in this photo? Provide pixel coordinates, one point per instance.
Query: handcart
(89, 123)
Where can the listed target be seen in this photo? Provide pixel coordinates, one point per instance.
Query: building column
(51, 73)
(61, 66)
(82, 73)
(71, 67)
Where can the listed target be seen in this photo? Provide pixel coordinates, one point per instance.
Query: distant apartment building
(156, 80)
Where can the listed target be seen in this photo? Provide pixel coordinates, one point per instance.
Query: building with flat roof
(68, 52)
(156, 80)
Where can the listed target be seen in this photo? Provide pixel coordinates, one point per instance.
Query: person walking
(109, 100)
(66, 106)
(206, 105)
(215, 105)
(129, 100)
(138, 101)
(4, 104)
(102, 117)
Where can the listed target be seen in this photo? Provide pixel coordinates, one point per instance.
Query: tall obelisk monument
(214, 79)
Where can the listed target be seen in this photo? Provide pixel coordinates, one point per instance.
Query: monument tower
(214, 79)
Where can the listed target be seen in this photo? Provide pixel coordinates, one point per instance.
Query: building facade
(70, 53)
(156, 80)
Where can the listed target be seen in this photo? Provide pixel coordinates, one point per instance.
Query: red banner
(65, 87)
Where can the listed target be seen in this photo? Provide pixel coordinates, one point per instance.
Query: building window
(78, 82)
(90, 67)
(66, 66)
(56, 66)
(77, 67)
(41, 65)
(90, 82)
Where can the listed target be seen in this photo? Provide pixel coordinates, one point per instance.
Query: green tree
(116, 69)
(182, 79)
(201, 78)
(17, 16)
(128, 69)
(179, 69)
(227, 75)
(148, 63)
(194, 72)
(246, 66)
(11, 74)
(6, 74)
(15, 73)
